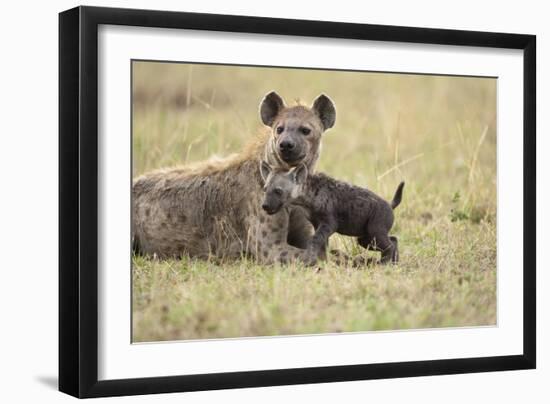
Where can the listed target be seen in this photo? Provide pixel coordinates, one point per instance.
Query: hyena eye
(305, 131)
(280, 130)
(278, 191)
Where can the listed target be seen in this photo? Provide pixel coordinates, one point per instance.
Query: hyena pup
(334, 206)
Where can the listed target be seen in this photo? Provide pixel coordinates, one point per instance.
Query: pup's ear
(270, 107)
(325, 110)
(265, 169)
(300, 174)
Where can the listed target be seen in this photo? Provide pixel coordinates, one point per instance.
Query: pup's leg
(395, 257)
(385, 245)
(366, 242)
(300, 230)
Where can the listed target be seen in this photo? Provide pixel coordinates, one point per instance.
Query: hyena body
(214, 207)
(334, 207)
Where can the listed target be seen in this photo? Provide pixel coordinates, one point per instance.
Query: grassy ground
(436, 133)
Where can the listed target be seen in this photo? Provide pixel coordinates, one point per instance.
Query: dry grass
(436, 133)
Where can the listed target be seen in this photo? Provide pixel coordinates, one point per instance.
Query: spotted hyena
(334, 207)
(214, 207)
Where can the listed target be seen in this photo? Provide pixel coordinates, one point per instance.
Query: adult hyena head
(296, 130)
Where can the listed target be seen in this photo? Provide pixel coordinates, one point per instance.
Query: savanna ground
(438, 134)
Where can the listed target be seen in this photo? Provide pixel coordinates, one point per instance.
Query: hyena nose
(265, 206)
(286, 145)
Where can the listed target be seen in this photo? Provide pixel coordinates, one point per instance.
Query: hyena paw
(311, 258)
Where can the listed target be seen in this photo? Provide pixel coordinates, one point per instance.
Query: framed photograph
(251, 201)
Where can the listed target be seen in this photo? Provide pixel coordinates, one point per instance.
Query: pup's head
(281, 187)
(296, 130)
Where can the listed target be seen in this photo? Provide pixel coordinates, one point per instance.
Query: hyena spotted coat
(213, 208)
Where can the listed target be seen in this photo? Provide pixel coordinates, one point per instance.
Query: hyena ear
(265, 169)
(300, 174)
(270, 107)
(325, 110)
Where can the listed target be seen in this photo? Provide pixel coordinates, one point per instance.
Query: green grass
(436, 133)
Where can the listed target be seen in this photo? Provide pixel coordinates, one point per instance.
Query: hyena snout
(287, 145)
(271, 206)
(267, 208)
(292, 148)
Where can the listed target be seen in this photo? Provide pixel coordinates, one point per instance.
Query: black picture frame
(78, 201)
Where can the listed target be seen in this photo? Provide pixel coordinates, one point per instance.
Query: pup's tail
(398, 194)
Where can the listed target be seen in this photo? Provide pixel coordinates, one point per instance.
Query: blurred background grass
(437, 133)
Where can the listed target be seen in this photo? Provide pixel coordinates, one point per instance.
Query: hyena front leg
(319, 241)
(300, 229)
(268, 242)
